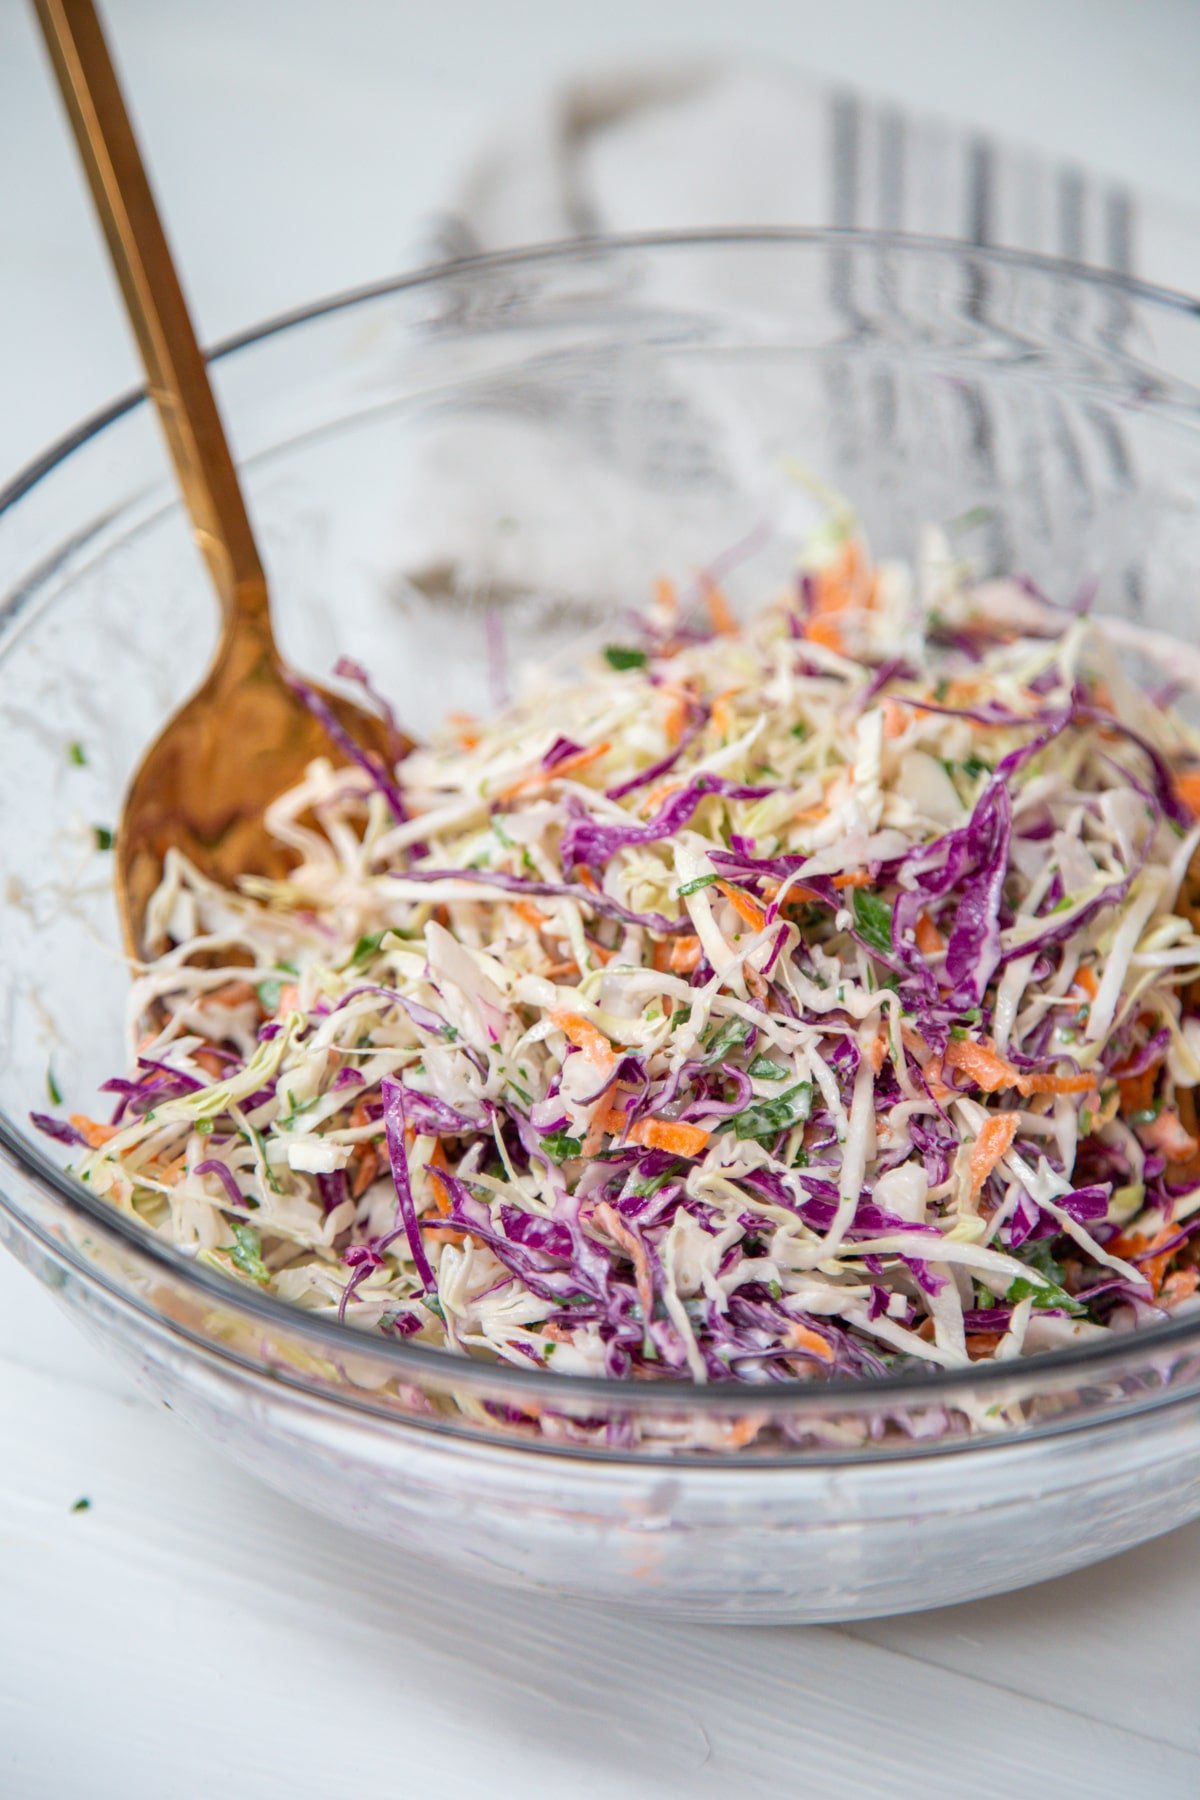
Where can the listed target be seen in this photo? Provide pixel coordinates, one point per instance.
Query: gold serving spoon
(246, 734)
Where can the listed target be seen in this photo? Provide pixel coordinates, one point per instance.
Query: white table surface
(191, 1634)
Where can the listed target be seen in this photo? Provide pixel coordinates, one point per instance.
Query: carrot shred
(210, 1062)
(1187, 786)
(685, 955)
(365, 1173)
(989, 1071)
(233, 993)
(1154, 1268)
(289, 999)
(632, 1244)
(1181, 1284)
(669, 1134)
(666, 595)
(855, 878)
(92, 1131)
(1086, 981)
(540, 778)
(824, 631)
(748, 910)
(802, 1337)
(930, 941)
(986, 1069)
(532, 915)
(895, 718)
(983, 1343)
(722, 718)
(995, 1140)
(719, 611)
(584, 1035)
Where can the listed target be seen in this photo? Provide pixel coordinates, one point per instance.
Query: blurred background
(302, 146)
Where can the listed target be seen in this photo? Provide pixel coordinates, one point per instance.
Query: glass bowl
(454, 475)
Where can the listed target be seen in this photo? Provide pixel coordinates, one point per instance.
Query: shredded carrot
(666, 594)
(93, 1133)
(895, 718)
(584, 1035)
(1086, 981)
(741, 1432)
(988, 1070)
(855, 878)
(540, 778)
(1137, 1091)
(845, 582)
(585, 878)
(675, 717)
(983, 1343)
(930, 941)
(289, 999)
(532, 915)
(878, 1049)
(366, 1171)
(234, 993)
(558, 971)
(985, 1068)
(1154, 1268)
(809, 815)
(662, 954)
(1187, 786)
(995, 1140)
(1167, 1135)
(685, 955)
(1055, 1084)
(1181, 1284)
(654, 799)
(359, 1116)
(669, 1134)
(722, 718)
(801, 1337)
(824, 631)
(632, 1244)
(748, 910)
(210, 1062)
(723, 621)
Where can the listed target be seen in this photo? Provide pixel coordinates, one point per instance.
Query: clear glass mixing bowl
(512, 449)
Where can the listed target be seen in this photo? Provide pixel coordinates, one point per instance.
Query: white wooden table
(190, 1634)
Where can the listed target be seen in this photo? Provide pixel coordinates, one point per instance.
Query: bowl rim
(1091, 1360)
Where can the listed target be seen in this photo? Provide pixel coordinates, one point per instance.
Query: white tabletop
(190, 1633)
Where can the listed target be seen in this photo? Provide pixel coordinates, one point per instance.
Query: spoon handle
(174, 363)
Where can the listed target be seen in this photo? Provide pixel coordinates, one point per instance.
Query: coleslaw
(805, 996)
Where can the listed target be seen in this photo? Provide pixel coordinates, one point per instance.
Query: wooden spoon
(246, 735)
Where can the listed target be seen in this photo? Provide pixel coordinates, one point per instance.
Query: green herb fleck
(77, 754)
(619, 656)
(268, 992)
(558, 1145)
(975, 765)
(694, 886)
(800, 730)
(83, 1504)
(245, 1253)
(873, 917)
(52, 1087)
(763, 1069)
(726, 1038)
(767, 1118)
(366, 946)
(103, 836)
